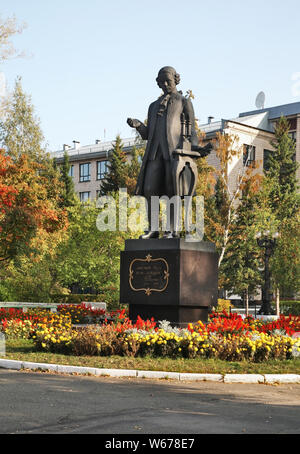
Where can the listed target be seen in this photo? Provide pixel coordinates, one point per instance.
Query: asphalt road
(40, 403)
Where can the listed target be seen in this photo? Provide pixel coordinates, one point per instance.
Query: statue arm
(143, 131)
(203, 151)
(139, 126)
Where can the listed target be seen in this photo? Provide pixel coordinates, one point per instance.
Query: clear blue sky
(94, 62)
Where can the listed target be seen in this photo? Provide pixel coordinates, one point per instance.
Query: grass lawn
(24, 350)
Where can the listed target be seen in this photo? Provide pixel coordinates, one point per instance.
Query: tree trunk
(247, 302)
(278, 302)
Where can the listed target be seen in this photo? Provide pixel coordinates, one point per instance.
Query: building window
(84, 196)
(267, 164)
(293, 135)
(249, 155)
(292, 123)
(85, 172)
(102, 168)
(71, 171)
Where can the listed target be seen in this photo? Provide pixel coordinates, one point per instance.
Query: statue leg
(175, 211)
(153, 186)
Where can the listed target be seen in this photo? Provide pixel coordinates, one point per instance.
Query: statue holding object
(168, 167)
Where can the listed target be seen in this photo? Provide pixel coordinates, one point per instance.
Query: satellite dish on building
(260, 100)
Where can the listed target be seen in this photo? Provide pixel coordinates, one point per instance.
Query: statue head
(167, 79)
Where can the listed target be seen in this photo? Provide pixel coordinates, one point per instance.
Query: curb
(117, 373)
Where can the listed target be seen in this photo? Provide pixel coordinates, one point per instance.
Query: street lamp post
(268, 242)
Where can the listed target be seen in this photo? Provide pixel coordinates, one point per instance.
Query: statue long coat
(177, 105)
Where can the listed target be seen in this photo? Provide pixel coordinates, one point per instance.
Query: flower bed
(78, 313)
(226, 336)
(81, 313)
(14, 321)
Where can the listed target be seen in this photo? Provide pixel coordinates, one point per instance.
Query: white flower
(167, 328)
(296, 350)
(280, 332)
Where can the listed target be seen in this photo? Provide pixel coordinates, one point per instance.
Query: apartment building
(254, 131)
(89, 165)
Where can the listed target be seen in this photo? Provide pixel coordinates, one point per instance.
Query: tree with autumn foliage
(221, 206)
(28, 216)
(21, 135)
(7, 193)
(32, 221)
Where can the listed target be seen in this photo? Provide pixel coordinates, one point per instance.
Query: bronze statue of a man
(171, 121)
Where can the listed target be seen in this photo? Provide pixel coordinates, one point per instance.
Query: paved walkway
(51, 403)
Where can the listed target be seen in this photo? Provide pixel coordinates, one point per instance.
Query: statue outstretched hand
(134, 123)
(203, 151)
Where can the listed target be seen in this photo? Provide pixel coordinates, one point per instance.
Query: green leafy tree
(68, 195)
(133, 170)
(282, 163)
(279, 204)
(122, 171)
(20, 131)
(89, 257)
(286, 259)
(28, 280)
(117, 169)
(240, 268)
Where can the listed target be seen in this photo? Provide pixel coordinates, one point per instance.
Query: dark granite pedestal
(169, 279)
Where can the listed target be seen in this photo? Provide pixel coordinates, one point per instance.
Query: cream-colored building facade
(252, 141)
(254, 132)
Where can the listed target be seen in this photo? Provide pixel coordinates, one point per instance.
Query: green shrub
(6, 293)
(290, 307)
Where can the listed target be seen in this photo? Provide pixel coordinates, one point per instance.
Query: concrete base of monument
(169, 279)
(177, 315)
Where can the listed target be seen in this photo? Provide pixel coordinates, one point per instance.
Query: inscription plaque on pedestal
(149, 275)
(169, 280)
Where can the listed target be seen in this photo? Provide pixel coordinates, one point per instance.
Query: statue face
(167, 82)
